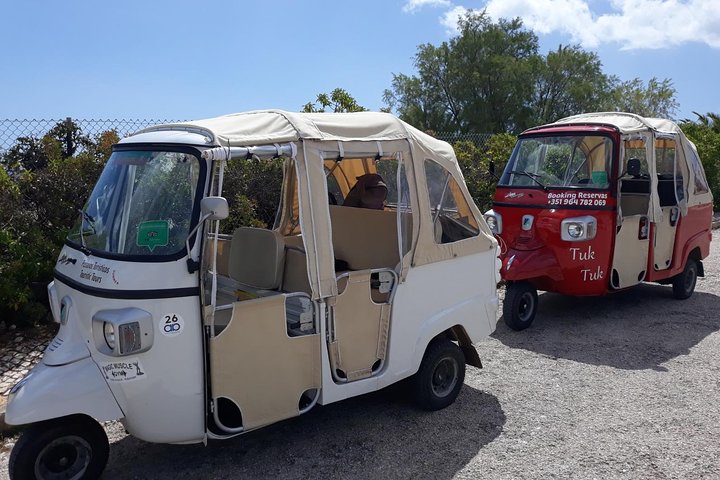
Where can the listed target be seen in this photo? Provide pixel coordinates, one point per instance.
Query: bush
(707, 140)
(41, 190)
(475, 163)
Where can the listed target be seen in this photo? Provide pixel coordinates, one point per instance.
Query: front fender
(49, 392)
(528, 264)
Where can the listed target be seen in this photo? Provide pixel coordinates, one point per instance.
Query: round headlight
(575, 230)
(491, 222)
(109, 333)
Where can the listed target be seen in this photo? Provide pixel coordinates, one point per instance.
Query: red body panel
(694, 230)
(540, 255)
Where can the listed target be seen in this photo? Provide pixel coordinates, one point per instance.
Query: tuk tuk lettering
(589, 275)
(582, 256)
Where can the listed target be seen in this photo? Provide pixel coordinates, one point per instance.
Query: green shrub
(475, 161)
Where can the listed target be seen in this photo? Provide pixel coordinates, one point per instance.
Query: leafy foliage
(479, 81)
(253, 192)
(41, 188)
(337, 101)
(475, 162)
(569, 81)
(705, 134)
(491, 78)
(656, 99)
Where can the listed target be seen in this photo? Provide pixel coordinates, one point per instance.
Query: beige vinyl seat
(257, 259)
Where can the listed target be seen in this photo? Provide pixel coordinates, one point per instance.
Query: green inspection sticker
(153, 234)
(599, 178)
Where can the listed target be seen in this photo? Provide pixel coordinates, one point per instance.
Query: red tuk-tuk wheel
(520, 305)
(684, 283)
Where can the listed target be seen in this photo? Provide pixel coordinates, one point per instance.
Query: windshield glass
(560, 161)
(141, 205)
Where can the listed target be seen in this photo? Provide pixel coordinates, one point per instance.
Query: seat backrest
(257, 258)
(633, 167)
(365, 238)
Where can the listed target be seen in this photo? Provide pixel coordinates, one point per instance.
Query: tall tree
(479, 81)
(656, 99)
(569, 81)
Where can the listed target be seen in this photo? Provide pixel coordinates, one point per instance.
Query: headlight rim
(111, 344)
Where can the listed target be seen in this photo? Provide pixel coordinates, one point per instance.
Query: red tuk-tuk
(596, 203)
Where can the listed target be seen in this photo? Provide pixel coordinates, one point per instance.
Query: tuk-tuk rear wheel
(684, 283)
(440, 377)
(520, 305)
(74, 447)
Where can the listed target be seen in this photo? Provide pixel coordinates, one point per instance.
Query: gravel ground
(626, 386)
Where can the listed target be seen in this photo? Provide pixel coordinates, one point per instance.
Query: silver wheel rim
(444, 377)
(64, 458)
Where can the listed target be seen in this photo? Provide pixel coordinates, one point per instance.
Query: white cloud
(412, 5)
(633, 24)
(450, 18)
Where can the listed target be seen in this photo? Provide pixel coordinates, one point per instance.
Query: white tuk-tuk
(379, 268)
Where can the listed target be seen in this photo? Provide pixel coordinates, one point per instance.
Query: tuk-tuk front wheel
(74, 447)
(684, 283)
(441, 375)
(520, 305)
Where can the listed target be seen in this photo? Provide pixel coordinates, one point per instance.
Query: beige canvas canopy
(318, 138)
(655, 131)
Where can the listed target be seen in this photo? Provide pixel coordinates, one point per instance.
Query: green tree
(475, 162)
(479, 81)
(253, 191)
(705, 134)
(41, 189)
(337, 101)
(656, 99)
(569, 81)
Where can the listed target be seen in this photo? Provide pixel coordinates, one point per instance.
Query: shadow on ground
(373, 436)
(640, 328)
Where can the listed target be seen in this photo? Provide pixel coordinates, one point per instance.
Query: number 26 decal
(171, 324)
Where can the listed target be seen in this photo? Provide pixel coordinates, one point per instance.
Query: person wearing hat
(370, 191)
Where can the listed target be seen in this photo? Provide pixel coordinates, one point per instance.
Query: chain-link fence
(11, 130)
(479, 139)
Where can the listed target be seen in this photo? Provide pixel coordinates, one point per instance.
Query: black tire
(684, 283)
(74, 447)
(440, 377)
(520, 305)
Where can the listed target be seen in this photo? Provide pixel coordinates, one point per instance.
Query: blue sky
(184, 60)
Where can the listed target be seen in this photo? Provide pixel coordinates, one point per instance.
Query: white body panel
(51, 392)
(122, 275)
(164, 404)
(433, 298)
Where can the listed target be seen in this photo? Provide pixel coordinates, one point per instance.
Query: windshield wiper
(533, 176)
(91, 221)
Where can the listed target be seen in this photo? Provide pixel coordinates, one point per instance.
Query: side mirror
(214, 208)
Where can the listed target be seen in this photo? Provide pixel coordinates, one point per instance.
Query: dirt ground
(624, 386)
